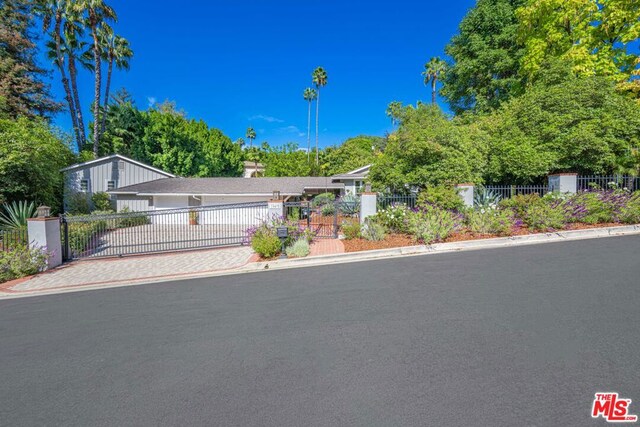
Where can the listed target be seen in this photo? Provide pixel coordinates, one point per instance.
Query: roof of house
(359, 173)
(287, 186)
(116, 156)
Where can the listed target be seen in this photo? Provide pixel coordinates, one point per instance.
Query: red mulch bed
(401, 240)
(391, 241)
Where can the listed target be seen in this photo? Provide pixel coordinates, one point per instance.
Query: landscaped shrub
(101, 202)
(373, 231)
(78, 203)
(596, 207)
(484, 198)
(328, 210)
(82, 235)
(265, 242)
(520, 203)
(432, 225)
(299, 249)
(394, 218)
(489, 221)
(132, 219)
(630, 212)
(349, 205)
(545, 216)
(21, 261)
(323, 199)
(442, 196)
(14, 216)
(351, 230)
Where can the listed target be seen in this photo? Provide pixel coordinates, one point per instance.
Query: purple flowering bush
(433, 225)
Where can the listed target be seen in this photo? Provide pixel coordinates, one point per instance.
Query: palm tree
(115, 50)
(319, 78)
(73, 30)
(434, 70)
(53, 12)
(98, 13)
(240, 142)
(309, 95)
(251, 135)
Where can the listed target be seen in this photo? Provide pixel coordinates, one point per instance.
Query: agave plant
(15, 215)
(485, 198)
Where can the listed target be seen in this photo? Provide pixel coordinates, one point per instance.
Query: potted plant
(193, 217)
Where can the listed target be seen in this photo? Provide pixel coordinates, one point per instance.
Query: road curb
(493, 243)
(419, 250)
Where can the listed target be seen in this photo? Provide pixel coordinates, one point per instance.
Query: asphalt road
(511, 337)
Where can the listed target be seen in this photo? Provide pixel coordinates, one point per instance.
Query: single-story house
(106, 174)
(140, 187)
(170, 193)
(354, 180)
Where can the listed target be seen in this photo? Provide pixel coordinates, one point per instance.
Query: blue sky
(240, 63)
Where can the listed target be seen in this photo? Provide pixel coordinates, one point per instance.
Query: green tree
(22, 90)
(595, 36)
(287, 160)
(250, 135)
(434, 70)
(309, 95)
(31, 156)
(563, 123)
(485, 58)
(352, 154)
(430, 148)
(320, 80)
(124, 127)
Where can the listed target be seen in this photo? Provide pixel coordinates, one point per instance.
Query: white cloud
(268, 119)
(152, 101)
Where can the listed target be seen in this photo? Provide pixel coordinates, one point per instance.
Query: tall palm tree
(53, 15)
(251, 135)
(434, 70)
(74, 30)
(309, 95)
(320, 79)
(115, 50)
(98, 13)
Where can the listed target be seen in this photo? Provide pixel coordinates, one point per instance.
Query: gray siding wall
(97, 175)
(134, 203)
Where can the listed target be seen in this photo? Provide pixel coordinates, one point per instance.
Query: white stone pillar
(44, 233)
(563, 183)
(368, 206)
(466, 192)
(276, 208)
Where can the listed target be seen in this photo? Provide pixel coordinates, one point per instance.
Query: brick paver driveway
(137, 268)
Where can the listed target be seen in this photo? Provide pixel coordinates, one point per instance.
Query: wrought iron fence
(607, 182)
(508, 191)
(386, 200)
(11, 238)
(91, 236)
(323, 219)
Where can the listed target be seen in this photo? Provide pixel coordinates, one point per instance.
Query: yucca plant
(15, 215)
(485, 198)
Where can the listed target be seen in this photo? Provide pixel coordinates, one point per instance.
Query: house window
(111, 185)
(84, 185)
(120, 165)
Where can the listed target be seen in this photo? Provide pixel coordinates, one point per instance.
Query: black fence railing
(509, 191)
(118, 234)
(631, 183)
(10, 239)
(386, 200)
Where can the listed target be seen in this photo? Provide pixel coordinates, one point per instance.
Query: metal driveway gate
(324, 220)
(130, 233)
